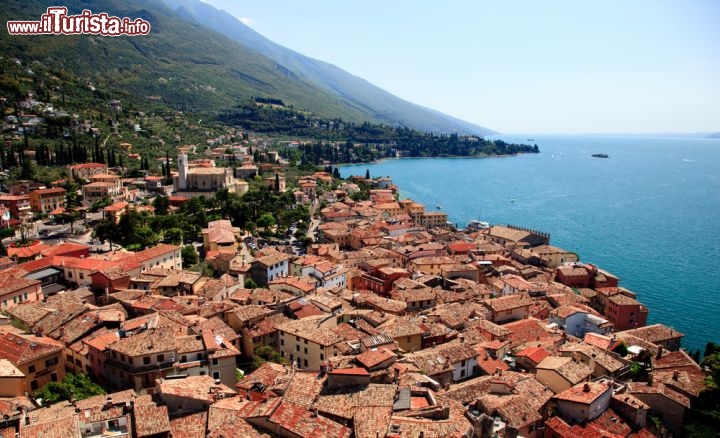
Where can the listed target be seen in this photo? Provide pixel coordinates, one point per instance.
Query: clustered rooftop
(393, 324)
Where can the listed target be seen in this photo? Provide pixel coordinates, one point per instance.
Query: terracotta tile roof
(469, 390)
(655, 333)
(249, 312)
(151, 419)
(310, 329)
(488, 364)
(440, 359)
(10, 284)
(235, 426)
(303, 423)
(380, 303)
(530, 331)
(51, 191)
(573, 372)
(639, 389)
(266, 374)
(584, 393)
(148, 254)
(23, 349)
(369, 419)
(189, 426)
(151, 341)
(535, 354)
(372, 358)
(597, 355)
(456, 425)
(400, 327)
(507, 303)
(303, 389)
(343, 402)
(101, 339)
(600, 341)
(52, 428)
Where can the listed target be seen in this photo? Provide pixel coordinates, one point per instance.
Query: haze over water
(649, 214)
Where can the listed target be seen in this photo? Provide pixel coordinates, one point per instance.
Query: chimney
(586, 387)
(650, 379)
(659, 353)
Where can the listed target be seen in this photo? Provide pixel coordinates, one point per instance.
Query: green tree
(266, 354)
(189, 256)
(174, 235)
(250, 284)
(162, 205)
(72, 202)
(266, 221)
(367, 174)
(77, 386)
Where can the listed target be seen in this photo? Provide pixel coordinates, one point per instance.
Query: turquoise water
(649, 214)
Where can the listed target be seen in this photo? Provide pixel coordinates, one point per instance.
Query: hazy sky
(519, 66)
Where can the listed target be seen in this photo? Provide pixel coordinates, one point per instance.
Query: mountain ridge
(184, 64)
(357, 92)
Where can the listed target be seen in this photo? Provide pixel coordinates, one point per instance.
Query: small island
(601, 155)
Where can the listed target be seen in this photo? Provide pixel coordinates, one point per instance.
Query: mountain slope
(184, 64)
(375, 103)
(179, 63)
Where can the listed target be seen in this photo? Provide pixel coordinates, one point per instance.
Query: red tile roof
(301, 422)
(19, 349)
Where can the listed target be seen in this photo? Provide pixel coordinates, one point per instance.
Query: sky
(519, 66)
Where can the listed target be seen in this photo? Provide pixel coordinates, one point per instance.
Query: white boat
(475, 225)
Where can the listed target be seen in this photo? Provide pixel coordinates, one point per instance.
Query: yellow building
(47, 200)
(309, 341)
(40, 360)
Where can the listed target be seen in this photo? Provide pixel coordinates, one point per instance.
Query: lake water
(649, 214)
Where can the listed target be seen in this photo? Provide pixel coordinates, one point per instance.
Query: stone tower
(182, 171)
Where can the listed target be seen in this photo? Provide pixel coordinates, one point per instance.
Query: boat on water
(476, 225)
(530, 139)
(601, 155)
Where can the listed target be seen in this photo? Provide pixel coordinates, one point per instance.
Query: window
(82, 276)
(183, 358)
(297, 347)
(322, 356)
(130, 360)
(305, 350)
(51, 362)
(305, 341)
(462, 373)
(31, 369)
(161, 358)
(305, 362)
(69, 274)
(216, 375)
(215, 361)
(34, 385)
(282, 341)
(146, 360)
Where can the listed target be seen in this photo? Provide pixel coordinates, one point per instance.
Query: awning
(39, 275)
